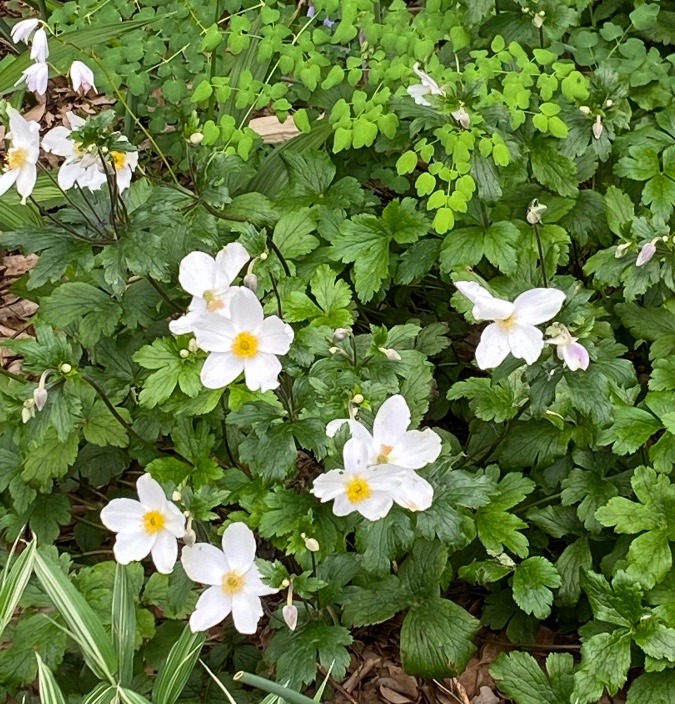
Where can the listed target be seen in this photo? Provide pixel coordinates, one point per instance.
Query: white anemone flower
(79, 167)
(572, 353)
(22, 30)
(39, 50)
(82, 77)
(245, 342)
(513, 330)
(392, 444)
(233, 580)
(36, 78)
(22, 156)
(427, 87)
(359, 486)
(124, 165)
(150, 525)
(209, 280)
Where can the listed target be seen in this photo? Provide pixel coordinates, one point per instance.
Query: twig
(338, 686)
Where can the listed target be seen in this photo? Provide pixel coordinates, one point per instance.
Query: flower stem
(542, 260)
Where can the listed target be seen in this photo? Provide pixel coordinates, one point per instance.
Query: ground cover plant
(407, 377)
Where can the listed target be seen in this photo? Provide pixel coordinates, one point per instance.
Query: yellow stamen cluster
(119, 159)
(358, 490)
(232, 583)
(16, 158)
(385, 451)
(153, 522)
(245, 345)
(213, 303)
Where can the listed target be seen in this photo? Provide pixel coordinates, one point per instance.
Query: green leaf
(102, 428)
(50, 459)
(591, 490)
(532, 583)
(656, 639)
(659, 194)
(50, 692)
(421, 571)
(653, 688)
(499, 530)
(619, 604)
(644, 16)
(47, 515)
(15, 577)
(574, 560)
(365, 606)
(553, 170)
(605, 659)
(292, 233)
(123, 622)
(521, 679)
(436, 639)
(176, 670)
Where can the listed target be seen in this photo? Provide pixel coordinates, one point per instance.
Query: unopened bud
(525, 10)
(176, 496)
(646, 253)
(263, 256)
(598, 127)
(334, 350)
(462, 117)
(190, 537)
(285, 583)
(585, 109)
(341, 334)
(184, 354)
(105, 150)
(538, 21)
(290, 614)
(535, 212)
(609, 102)
(65, 368)
(40, 397)
(621, 249)
(192, 345)
(312, 544)
(391, 355)
(251, 282)
(28, 410)
(358, 398)
(196, 138)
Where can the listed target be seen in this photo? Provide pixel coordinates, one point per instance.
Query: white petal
(262, 372)
(334, 425)
(214, 333)
(75, 121)
(122, 514)
(22, 30)
(493, 347)
(485, 305)
(239, 547)
(123, 177)
(165, 552)
(220, 369)
(57, 141)
(204, 563)
(376, 507)
(39, 50)
(174, 520)
(472, 290)
(526, 342)
(355, 456)
(25, 181)
(183, 325)
(575, 356)
(197, 273)
(69, 174)
(150, 493)
(416, 449)
(417, 93)
(229, 262)
(415, 493)
(391, 421)
(246, 310)
(329, 486)
(7, 180)
(342, 506)
(212, 607)
(255, 585)
(274, 335)
(538, 305)
(246, 611)
(132, 545)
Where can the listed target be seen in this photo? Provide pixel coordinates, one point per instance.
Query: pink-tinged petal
(415, 493)
(329, 486)
(220, 370)
(274, 336)
(355, 456)
(25, 181)
(417, 93)
(7, 180)
(150, 493)
(262, 372)
(575, 356)
(538, 305)
(246, 310)
(212, 607)
(526, 342)
(376, 507)
(165, 552)
(132, 545)
(493, 347)
(391, 422)
(196, 273)
(239, 547)
(22, 30)
(122, 514)
(247, 610)
(229, 262)
(416, 449)
(204, 563)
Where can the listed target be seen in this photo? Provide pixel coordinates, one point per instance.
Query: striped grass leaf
(101, 694)
(123, 623)
(128, 696)
(174, 674)
(14, 581)
(220, 685)
(50, 692)
(83, 624)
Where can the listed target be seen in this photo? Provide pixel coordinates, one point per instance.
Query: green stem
(542, 260)
(280, 256)
(160, 290)
(272, 688)
(10, 375)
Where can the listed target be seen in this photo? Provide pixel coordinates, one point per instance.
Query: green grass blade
(128, 696)
(123, 624)
(101, 694)
(50, 692)
(273, 688)
(83, 623)
(220, 685)
(174, 674)
(14, 582)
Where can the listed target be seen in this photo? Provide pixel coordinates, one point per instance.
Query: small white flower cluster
(380, 467)
(427, 87)
(153, 525)
(228, 321)
(36, 76)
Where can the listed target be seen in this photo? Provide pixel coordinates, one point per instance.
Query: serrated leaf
(532, 583)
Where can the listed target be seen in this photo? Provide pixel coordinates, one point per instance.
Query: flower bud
(535, 212)
(192, 345)
(82, 77)
(190, 537)
(312, 544)
(263, 256)
(176, 496)
(538, 20)
(285, 583)
(341, 334)
(585, 109)
(40, 48)
(40, 397)
(196, 138)
(609, 102)
(646, 253)
(65, 368)
(598, 128)
(184, 354)
(251, 282)
(290, 614)
(390, 354)
(27, 413)
(462, 117)
(22, 30)
(334, 350)
(621, 249)
(358, 398)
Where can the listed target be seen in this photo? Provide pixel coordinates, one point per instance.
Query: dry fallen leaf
(394, 697)
(486, 696)
(272, 131)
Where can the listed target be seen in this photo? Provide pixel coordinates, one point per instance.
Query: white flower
(39, 50)
(82, 77)
(426, 87)
(598, 128)
(36, 78)
(234, 583)
(124, 164)
(21, 31)
(513, 329)
(22, 156)
(462, 116)
(245, 342)
(574, 355)
(359, 487)
(535, 212)
(538, 19)
(646, 253)
(150, 525)
(209, 280)
(79, 167)
(392, 444)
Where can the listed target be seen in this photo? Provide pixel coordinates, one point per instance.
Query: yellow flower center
(213, 303)
(507, 324)
(16, 158)
(232, 583)
(358, 490)
(119, 159)
(153, 522)
(385, 451)
(245, 345)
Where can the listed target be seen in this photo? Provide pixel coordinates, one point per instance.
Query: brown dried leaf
(486, 696)
(272, 131)
(394, 697)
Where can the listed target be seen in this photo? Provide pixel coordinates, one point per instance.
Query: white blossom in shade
(150, 525)
(462, 117)
(245, 342)
(359, 486)
(79, 167)
(22, 156)
(393, 445)
(427, 86)
(513, 330)
(36, 78)
(82, 77)
(39, 50)
(535, 212)
(572, 353)
(209, 280)
(233, 581)
(124, 164)
(647, 251)
(598, 128)
(22, 30)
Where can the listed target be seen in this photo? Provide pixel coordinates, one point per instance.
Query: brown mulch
(15, 312)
